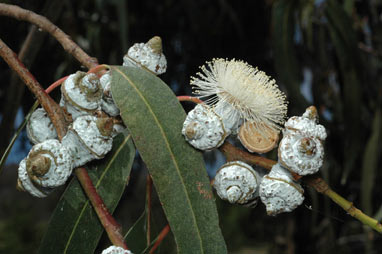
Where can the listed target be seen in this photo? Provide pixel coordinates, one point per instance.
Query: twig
(233, 153)
(149, 188)
(314, 181)
(44, 24)
(113, 229)
(55, 113)
(161, 236)
(58, 117)
(189, 98)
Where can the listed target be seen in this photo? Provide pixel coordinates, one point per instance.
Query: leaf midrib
(170, 150)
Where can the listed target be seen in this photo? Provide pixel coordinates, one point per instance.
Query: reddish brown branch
(113, 229)
(58, 118)
(233, 153)
(55, 113)
(161, 236)
(44, 24)
(189, 98)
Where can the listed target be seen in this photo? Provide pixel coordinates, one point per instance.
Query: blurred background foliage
(322, 52)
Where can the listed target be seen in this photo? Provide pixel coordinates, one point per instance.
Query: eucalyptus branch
(58, 118)
(44, 24)
(113, 229)
(233, 153)
(53, 110)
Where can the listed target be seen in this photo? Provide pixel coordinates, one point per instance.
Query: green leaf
(74, 226)
(154, 118)
(345, 43)
(286, 63)
(135, 237)
(370, 164)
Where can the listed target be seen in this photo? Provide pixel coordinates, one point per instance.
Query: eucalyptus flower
(247, 91)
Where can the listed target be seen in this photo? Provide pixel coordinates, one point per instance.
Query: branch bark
(44, 24)
(53, 110)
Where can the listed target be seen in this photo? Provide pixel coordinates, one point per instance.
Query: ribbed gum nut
(155, 44)
(254, 141)
(279, 192)
(40, 127)
(148, 55)
(306, 125)
(116, 250)
(203, 129)
(81, 94)
(237, 182)
(85, 140)
(301, 150)
(49, 164)
(25, 184)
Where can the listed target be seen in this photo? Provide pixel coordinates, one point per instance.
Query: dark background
(325, 53)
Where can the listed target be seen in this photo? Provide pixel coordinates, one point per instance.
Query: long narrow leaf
(74, 226)
(154, 118)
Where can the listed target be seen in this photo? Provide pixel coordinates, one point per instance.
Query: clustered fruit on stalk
(88, 100)
(245, 102)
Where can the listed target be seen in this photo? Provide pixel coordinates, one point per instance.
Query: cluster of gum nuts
(300, 152)
(95, 122)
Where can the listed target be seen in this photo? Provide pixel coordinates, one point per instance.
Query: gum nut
(237, 182)
(301, 155)
(254, 141)
(81, 94)
(148, 55)
(49, 164)
(116, 250)
(306, 125)
(230, 117)
(26, 183)
(279, 193)
(85, 140)
(203, 129)
(40, 127)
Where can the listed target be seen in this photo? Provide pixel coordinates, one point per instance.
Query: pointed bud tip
(155, 44)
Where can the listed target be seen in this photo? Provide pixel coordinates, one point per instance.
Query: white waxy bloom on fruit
(49, 164)
(279, 192)
(148, 55)
(248, 92)
(40, 127)
(116, 250)
(24, 183)
(238, 183)
(301, 150)
(107, 104)
(81, 94)
(89, 138)
(203, 128)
